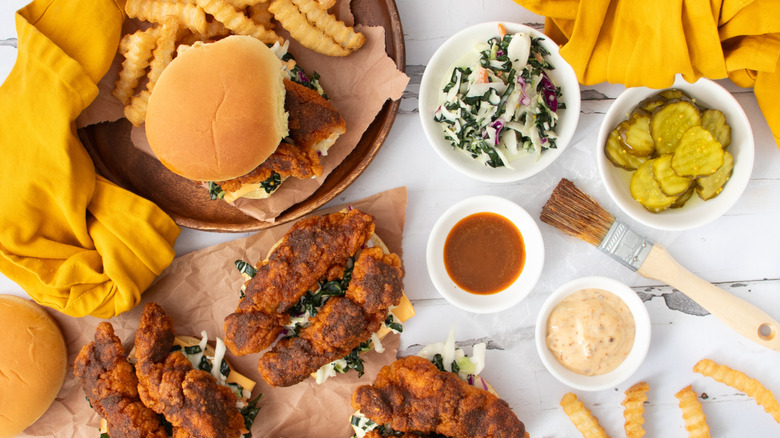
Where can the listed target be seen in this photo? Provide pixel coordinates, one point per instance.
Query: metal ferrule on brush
(625, 245)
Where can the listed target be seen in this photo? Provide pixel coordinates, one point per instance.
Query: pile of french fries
(693, 415)
(175, 25)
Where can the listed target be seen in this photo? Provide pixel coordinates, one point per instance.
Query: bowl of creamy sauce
(593, 333)
(485, 254)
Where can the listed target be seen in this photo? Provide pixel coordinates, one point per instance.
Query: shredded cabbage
(503, 106)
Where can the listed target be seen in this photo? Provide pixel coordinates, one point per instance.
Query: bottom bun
(33, 360)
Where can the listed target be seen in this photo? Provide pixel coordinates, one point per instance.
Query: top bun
(33, 359)
(217, 110)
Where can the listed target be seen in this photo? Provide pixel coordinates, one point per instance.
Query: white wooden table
(740, 252)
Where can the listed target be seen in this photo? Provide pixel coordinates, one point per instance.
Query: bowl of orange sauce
(593, 333)
(485, 254)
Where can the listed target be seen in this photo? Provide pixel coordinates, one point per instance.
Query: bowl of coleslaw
(498, 103)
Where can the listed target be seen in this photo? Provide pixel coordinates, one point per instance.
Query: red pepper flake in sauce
(591, 332)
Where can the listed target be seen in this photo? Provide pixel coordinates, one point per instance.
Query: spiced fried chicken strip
(313, 124)
(412, 395)
(190, 399)
(314, 248)
(342, 324)
(111, 386)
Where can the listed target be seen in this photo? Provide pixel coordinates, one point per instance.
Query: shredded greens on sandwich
(311, 303)
(447, 357)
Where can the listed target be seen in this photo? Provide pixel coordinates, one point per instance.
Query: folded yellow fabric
(73, 240)
(648, 42)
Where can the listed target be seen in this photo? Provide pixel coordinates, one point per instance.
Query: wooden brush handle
(745, 318)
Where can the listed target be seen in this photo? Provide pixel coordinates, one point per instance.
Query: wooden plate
(117, 159)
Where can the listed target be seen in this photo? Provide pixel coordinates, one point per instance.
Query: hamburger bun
(217, 111)
(33, 362)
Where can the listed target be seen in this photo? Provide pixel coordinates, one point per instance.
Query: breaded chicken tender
(413, 396)
(111, 386)
(342, 324)
(314, 248)
(191, 400)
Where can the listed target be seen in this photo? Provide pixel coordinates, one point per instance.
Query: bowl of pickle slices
(675, 158)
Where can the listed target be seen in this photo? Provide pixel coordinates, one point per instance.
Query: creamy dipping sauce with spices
(591, 332)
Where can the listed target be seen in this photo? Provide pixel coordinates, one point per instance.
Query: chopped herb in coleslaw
(504, 105)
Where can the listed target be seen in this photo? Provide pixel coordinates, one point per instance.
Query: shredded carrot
(482, 76)
(501, 30)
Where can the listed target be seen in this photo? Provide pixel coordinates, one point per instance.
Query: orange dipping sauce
(484, 253)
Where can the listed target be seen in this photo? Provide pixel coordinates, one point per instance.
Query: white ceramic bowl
(629, 365)
(438, 72)
(695, 212)
(534, 249)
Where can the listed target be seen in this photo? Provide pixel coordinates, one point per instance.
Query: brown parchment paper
(198, 290)
(358, 86)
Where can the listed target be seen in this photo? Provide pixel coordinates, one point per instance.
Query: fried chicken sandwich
(329, 290)
(166, 386)
(436, 393)
(240, 116)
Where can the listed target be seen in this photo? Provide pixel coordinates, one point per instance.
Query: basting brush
(577, 214)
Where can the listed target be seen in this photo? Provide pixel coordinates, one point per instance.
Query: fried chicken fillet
(111, 386)
(314, 248)
(191, 400)
(342, 324)
(313, 124)
(412, 395)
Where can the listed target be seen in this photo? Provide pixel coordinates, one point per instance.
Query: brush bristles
(576, 214)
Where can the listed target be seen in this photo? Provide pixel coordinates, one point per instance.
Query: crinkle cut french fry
(155, 11)
(241, 4)
(303, 31)
(163, 53)
(695, 421)
(137, 49)
(237, 21)
(741, 382)
(342, 34)
(326, 4)
(634, 404)
(583, 420)
(260, 14)
(135, 111)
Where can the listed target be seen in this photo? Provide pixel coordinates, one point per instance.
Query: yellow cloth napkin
(647, 42)
(73, 240)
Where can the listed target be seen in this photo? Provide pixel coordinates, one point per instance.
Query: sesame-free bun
(217, 110)
(33, 362)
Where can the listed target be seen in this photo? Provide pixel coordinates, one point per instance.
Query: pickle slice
(634, 134)
(618, 155)
(652, 103)
(698, 154)
(645, 189)
(708, 187)
(670, 122)
(682, 199)
(674, 93)
(715, 121)
(669, 182)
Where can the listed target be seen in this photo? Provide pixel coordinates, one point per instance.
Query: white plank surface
(739, 252)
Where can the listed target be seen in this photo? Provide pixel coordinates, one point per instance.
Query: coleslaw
(503, 105)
